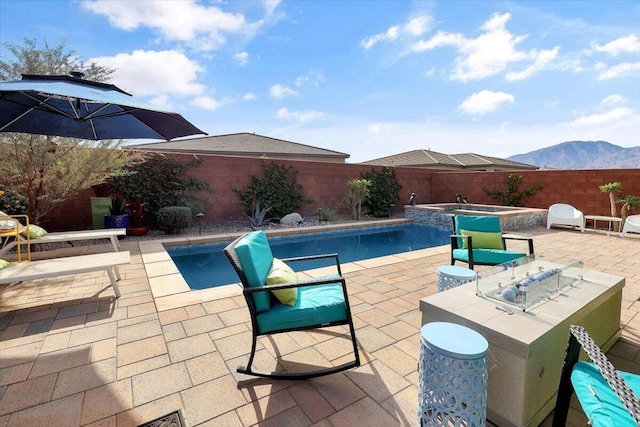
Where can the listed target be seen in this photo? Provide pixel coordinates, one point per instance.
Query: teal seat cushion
(487, 256)
(604, 408)
(315, 305)
(254, 254)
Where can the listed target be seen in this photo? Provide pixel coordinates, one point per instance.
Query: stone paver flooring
(73, 355)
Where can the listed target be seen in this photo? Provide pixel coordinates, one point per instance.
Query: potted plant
(137, 226)
(118, 217)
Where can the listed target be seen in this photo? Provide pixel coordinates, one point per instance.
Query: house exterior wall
(325, 183)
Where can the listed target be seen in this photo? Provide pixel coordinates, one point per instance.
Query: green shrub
(172, 219)
(277, 189)
(327, 214)
(160, 181)
(13, 203)
(383, 192)
(512, 196)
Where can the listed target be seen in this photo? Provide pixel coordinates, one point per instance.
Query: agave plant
(258, 215)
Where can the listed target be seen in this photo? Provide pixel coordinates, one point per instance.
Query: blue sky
(368, 78)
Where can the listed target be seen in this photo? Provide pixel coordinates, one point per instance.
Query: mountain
(582, 155)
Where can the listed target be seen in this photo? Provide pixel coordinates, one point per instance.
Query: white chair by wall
(632, 224)
(563, 214)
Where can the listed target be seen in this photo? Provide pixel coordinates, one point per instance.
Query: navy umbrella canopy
(70, 106)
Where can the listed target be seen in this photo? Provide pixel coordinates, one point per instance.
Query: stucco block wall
(325, 183)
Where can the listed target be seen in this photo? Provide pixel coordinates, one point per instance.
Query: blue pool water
(205, 266)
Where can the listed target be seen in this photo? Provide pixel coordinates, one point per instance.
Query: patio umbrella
(70, 106)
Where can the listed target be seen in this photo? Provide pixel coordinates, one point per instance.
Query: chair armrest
(316, 257)
(454, 240)
(521, 237)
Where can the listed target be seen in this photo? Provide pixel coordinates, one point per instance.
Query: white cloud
(249, 96)
(415, 27)
(613, 100)
(146, 73)
(540, 61)
(242, 58)
(299, 116)
(206, 103)
(312, 77)
(270, 5)
(279, 91)
(161, 101)
(625, 69)
(202, 27)
(485, 101)
(629, 44)
(602, 119)
(378, 128)
(490, 53)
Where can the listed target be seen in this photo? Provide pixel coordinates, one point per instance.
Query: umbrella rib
(42, 104)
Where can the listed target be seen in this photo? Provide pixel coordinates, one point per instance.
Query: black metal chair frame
(472, 263)
(247, 291)
(580, 339)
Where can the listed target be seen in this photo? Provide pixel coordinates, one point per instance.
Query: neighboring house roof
(433, 159)
(242, 144)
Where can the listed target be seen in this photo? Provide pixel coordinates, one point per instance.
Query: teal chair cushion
(487, 256)
(487, 224)
(254, 254)
(315, 305)
(605, 409)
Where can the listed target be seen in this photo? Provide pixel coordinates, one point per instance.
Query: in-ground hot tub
(440, 214)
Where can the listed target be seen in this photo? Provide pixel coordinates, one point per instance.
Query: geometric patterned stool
(450, 276)
(453, 376)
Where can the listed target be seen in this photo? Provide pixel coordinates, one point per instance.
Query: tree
(612, 188)
(383, 192)
(357, 193)
(47, 169)
(512, 196)
(629, 203)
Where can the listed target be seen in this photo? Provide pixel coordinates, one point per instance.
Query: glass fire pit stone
(528, 281)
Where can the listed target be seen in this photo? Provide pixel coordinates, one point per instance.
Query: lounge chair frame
(247, 291)
(580, 339)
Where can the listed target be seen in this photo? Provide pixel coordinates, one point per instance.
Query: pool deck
(73, 355)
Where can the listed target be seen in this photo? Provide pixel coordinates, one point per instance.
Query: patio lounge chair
(563, 214)
(479, 240)
(608, 397)
(70, 236)
(19, 272)
(631, 225)
(311, 304)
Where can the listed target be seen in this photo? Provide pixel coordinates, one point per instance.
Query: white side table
(450, 276)
(453, 376)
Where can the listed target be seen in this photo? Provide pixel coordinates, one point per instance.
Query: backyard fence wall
(325, 184)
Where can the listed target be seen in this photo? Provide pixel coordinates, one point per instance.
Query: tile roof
(428, 158)
(240, 144)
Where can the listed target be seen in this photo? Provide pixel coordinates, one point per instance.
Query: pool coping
(170, 290)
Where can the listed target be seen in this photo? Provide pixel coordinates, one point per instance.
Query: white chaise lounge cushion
(563, 214)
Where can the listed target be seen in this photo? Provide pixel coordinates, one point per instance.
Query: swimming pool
(205, 266)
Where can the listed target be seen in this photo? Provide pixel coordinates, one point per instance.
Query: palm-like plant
(629, 203)
(612, 188)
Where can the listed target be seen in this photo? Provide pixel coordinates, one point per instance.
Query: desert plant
(258, 217)
(384, 191)
(326, 214)
(629, 203)
(172, 219)
(117, 206)
(278, 188)
(612, 188)
(358, 190)
(512, 196)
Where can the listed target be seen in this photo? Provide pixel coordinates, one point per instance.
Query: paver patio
(73, 355)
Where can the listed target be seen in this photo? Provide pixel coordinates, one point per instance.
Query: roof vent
(77, 74)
